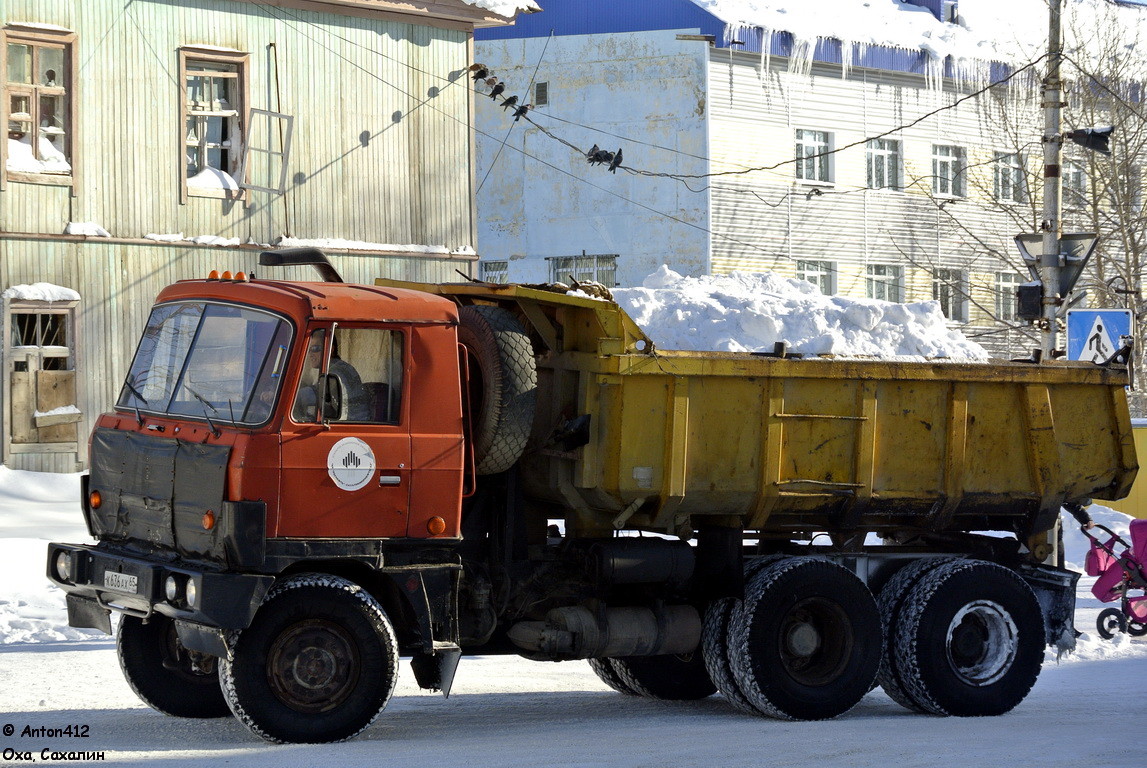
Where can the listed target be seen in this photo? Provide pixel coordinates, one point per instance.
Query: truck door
(346, 460)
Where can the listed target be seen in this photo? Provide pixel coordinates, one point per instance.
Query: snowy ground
(508, 711)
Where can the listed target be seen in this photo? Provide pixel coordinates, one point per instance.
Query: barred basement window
(601, 268)
(541, 94)
(494, 271)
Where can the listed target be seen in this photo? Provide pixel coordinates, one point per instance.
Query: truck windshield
(210, 361)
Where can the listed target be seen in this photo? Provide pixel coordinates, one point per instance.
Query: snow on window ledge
(213, 179)
(40, 292)
(86, 228)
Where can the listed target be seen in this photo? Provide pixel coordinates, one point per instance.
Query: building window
(38, 386)
(494, 271)
(214, 99)
(948, 288)
(822, 274)
(1006, 285)
(883, 281)
(947, 171)
(37, 105)
(1008, 174)
(1074, 184)
(541, 94)
(884, 164)
(601, 268)
(812, 155)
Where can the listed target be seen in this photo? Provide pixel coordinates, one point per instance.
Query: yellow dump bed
(788, 446)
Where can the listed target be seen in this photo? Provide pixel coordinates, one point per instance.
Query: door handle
(389, 480)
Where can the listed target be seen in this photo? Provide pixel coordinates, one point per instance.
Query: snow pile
(178, 237)
(174, 237)
(86, 228)
(744, 312)
(1014, 31)
(505, 8)
(338, 244)
(40, 292)
(63, 410)
(36, 507)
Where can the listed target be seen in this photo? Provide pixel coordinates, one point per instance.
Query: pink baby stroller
(1122, 571)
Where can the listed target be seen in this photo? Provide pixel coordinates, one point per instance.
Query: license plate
(121, 582)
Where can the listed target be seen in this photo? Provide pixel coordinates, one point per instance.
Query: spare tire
(503, 385)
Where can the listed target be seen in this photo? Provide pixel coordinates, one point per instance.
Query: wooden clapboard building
(157, 140)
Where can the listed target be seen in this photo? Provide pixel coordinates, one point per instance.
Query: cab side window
(368, 365)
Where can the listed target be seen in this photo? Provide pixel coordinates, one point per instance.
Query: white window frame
(1074, 180)
(263, 147)
(813, 158)
(884, 282)
(1009, 178)
(822, 274)
(40, 38)
(235, 115)
(598, 267)
(948, 171)
(1006, 285)
(883, 161)
(950, 288)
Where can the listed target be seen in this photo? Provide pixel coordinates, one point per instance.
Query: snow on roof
(338, 244)
(505, 8)
(1011, 31)
(745, 312)
(40, 292)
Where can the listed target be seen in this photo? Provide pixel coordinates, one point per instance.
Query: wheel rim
(815, 641)
(982, 642)
(313, 666)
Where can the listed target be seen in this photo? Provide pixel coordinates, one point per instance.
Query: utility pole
(1052, 155)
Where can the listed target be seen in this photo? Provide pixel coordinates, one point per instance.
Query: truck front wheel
(969, 640)
(318, 664)
(805, 642)
(165, 675)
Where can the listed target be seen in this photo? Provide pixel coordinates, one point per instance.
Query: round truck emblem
(350, 463)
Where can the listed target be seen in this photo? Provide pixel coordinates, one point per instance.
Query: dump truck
(303, 482)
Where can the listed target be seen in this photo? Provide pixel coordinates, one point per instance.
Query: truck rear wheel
(605, 672)
(318, 663)
(969, 640)
(805, 642)
(890, 601)
(715, 650)
(675, 678)
(165, 675)
(503, 385)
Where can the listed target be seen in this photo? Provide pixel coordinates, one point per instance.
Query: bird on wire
(509, 102)
(497, 91)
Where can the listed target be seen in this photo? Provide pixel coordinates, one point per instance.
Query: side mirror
(332, 397)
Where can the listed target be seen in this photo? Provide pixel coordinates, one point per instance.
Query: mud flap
(84, 613)
(1055, 590)
(435, 671)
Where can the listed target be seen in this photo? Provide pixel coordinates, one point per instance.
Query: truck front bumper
(100, 579)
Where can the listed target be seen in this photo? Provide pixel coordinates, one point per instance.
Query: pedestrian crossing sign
(1094, 335)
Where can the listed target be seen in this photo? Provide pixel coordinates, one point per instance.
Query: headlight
(64, 565)
(192, 593)
(171, 589)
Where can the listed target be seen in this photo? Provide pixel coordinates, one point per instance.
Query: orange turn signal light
(94, 499)
(213, 274)
(241, 277)
(436, 526)
(208, 520)
(226, 275)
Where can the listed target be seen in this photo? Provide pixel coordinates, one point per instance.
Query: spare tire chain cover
(503, 411)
